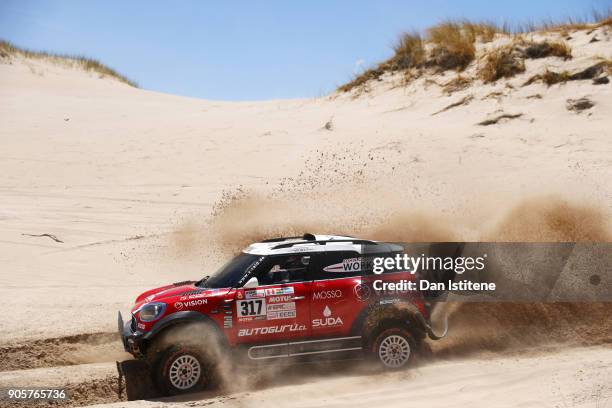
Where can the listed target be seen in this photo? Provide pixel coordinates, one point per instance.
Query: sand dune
(145, 188)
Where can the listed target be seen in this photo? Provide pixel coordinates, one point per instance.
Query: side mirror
(251, 283)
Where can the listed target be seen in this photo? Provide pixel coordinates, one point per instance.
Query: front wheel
(183, 369)
(394, 348)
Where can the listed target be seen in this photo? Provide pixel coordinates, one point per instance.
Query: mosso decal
(327, 294)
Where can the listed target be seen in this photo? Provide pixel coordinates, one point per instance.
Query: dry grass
(550, 77)
(362, 79)
(458, 83)
(543, 49)
(503, 62)
(408, 52)
(453, 46)
(8, 50)
(483, 31)
(592, 72)
(598, 18)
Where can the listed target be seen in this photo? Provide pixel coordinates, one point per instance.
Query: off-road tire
(394, 348)
(184, 369)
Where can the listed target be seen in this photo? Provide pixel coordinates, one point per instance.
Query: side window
(340, 264)
(285, 269)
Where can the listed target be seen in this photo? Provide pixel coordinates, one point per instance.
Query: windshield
(230, 274)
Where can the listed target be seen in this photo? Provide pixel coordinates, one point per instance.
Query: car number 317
(254, 307)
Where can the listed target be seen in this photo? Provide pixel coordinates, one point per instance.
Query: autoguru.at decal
(271, 330)
(328, 320)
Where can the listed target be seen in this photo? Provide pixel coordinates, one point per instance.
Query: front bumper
(132, 339)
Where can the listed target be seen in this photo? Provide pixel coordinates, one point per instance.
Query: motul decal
(279, 299)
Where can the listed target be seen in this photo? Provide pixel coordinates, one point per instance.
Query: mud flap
(134, 382)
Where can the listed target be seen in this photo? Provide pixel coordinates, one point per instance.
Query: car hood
(176, 289)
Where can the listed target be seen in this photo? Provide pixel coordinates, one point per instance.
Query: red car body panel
(280, 312)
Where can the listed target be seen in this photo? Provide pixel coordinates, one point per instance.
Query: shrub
(457, 84)
(408, 52)
(362, 79)
(453, 46)
(548, 49)
(503, 62)
(550, 77)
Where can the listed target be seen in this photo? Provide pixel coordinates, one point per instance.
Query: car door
(336, 298)
(279, 308)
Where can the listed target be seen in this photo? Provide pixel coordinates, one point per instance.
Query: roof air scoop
(309, 237)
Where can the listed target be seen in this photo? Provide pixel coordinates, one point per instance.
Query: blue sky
(247, 50)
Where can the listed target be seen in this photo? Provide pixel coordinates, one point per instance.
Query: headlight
(151, 311)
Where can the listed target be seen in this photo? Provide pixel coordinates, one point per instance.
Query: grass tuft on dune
(8, 50)
(451, 45)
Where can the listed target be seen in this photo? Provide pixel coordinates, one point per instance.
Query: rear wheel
(184, 369)
(394, 348)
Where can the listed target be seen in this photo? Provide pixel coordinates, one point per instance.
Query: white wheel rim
(394, 351)
(185, 372)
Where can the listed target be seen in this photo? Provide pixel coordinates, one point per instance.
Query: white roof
(300, 245)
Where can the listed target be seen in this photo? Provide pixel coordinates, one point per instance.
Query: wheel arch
(170, 323)
(376, 318)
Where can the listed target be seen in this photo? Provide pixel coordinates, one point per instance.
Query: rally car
(286, 298)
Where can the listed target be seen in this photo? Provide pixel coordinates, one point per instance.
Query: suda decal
(327, 321)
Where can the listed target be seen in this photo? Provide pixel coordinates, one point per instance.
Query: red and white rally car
(285, 298)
